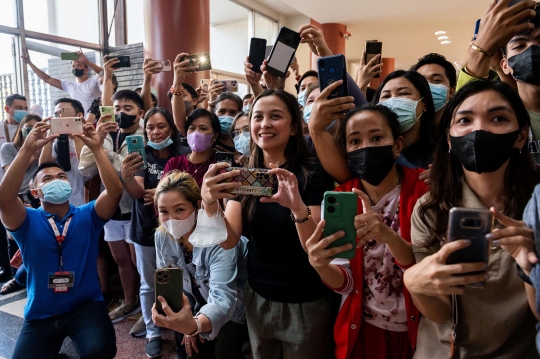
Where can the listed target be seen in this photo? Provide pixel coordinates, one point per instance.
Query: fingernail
(495, 242)
(489, 236)
(467, 241)
(341, 233)
(348, 246)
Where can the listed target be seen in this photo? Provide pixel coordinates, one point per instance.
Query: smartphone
(135, 144)
(255, 181)
(202, 59)
(476, 29)
(107, 110)
(338, 210)
(230, 85)
(332, 69)
(373, 48)
(124, 61)
(165, 65)
(471, 224)
(283, 52)
(257, 53)
(169, 284)
(66, 125)
(225, 157)
(69, 56)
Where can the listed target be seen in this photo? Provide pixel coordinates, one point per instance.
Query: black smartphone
(332, 69)
(124, 61)
(202, 59)
(169, 285)
(225, 157)
(476, 29)
(373, 48)
(283, 52)
(257, 51)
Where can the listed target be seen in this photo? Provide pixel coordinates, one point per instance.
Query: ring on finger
(365, 225)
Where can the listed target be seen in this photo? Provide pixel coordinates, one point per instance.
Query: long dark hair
(175, 137)
(422, 150)
(296, 153)
(446, 187)
(18, 139)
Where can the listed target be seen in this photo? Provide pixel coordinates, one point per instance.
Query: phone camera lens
(332, 200)
(331, 209)
(331, 70)
(134, 141)
(322, 65)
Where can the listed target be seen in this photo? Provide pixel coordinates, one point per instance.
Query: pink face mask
(199, 142)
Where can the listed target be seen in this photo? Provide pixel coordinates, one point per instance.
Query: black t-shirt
(278, 266)
(144, 218)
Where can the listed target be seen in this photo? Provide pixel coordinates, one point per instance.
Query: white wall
(229, 46)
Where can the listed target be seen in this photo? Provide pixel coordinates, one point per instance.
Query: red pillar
(172, 27)
(333, 34)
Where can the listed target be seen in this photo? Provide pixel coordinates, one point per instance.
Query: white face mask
(210, 231)
(178, 227)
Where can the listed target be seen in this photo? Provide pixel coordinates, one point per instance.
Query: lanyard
(60, 238)
(6, 130)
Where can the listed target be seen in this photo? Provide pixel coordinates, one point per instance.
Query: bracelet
(468, 72)
(480, 50)
(199, 327)
(209, 204)
(131, 179)
(522, 275)
(303, 219)
(174, 93)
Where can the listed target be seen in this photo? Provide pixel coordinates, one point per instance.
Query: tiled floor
(11, 319)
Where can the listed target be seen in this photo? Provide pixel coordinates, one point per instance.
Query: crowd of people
(259, 278)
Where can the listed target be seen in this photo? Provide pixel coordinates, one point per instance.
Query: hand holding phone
(66, 125)
(332, 69)
(169, 284)
(257, 53)
(123, 61)
(202, 60)
(283, 52)
(107, 110)
(135, 144)
(373, 48)
(338, 211)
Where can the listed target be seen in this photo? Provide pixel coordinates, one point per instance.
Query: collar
(469, 198)
(71, 212)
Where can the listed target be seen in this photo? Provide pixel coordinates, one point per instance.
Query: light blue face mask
(246, 109)
(160, 145)
(56, 191)
(405, 109)
(226, 123)
(439, 93)
(307, 112)
(241, 143)
(302, 98)
(25, 131)
(18, 115)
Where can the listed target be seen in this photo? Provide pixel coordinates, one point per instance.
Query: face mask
(246, 108)
(372, 164)
(226, 123)
(124, 120)
(405, 109)
(160, 145)
(199, 142)
(482, 151)
(101, 88)
(241, 143)
(78, 72)
(56, 191)
(178, 227)
(307, 112)
(188, 105)
(526, 65)
(18, 115)
(439, 93)
(25, 131)
(210, 231)
(302, 98)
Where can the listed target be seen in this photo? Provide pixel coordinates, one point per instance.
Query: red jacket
(349, 319)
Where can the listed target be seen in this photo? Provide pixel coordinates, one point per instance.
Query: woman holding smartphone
(241, 138)
(481, 164)
(287, 309)
(375, 303)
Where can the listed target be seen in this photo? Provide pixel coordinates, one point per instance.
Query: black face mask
(188, 105)
(78, 72)
(124, 120)
(482, 151)
(526, 65)
(372, 164)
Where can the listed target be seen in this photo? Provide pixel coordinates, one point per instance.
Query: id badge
(61, 281)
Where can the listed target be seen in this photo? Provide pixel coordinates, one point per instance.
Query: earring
(520, 150)
(448, 151)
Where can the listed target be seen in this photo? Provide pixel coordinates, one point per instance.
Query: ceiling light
(446, 42)
(438, 33)
(443, 38)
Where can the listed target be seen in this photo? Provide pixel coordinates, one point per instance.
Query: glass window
(7, 77)
(66, 18)
(9, 15)
(135, 21)
(265, 29)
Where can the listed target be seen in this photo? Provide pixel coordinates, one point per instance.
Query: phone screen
(281, 57)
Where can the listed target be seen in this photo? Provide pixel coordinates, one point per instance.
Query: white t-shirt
(3, 139)
(85, 92)
(76, 179)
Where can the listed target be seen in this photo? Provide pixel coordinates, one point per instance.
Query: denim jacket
(221, 277)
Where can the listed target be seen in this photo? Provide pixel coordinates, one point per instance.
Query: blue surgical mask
(18, 115)
(246, 108)
(307, 112)
(241, 143)
(56, 191)
(405, 109)
(302, 98)
(160, 145)
(25, 131)
(439, 93)
(226, 123)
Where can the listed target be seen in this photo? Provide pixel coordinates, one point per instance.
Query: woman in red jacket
(377, 318)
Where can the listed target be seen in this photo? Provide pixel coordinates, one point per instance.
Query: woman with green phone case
(377, 318)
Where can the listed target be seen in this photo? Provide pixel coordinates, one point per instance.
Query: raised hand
(38, 137)
(319, 256)
(182, 67)
(287, 195)
(368, 71)
(105, 125)
(151, 67)
(131, 165)
(314, 37)
(89, 136)
(26, 56)
(253, 78)
(108, 66)
(215, 89)
(214, 186)
(272, 81)
(324, 111)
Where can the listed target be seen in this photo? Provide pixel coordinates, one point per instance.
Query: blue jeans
(146, 266)
(88, 326)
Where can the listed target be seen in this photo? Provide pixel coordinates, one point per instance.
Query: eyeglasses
(236, 133)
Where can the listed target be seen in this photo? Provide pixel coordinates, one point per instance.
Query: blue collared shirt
(39, 250)
(220, 276)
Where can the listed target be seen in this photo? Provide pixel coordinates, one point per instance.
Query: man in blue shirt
(59, 246)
